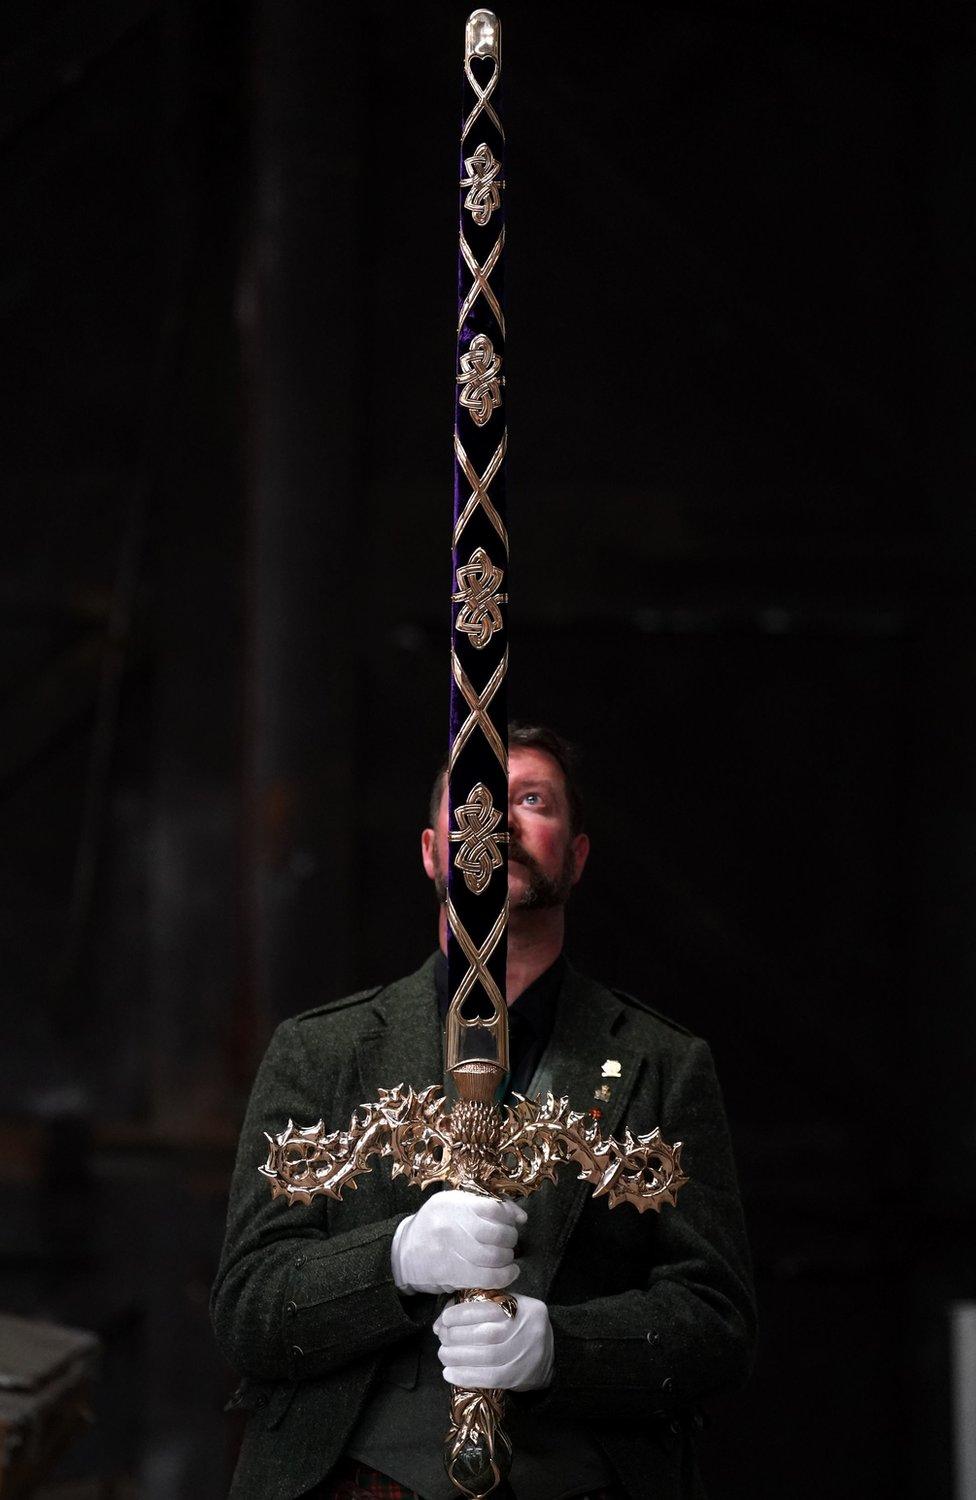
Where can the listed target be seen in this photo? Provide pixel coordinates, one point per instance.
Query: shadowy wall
(741, 319)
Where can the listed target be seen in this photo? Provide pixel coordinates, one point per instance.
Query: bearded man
(340, 1316)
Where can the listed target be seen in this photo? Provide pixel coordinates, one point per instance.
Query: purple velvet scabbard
(477, 879)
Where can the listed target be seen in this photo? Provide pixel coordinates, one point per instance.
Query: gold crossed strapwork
(480, 286)
(478, 971)
(483, 39)
(478, 717)
(479, 488)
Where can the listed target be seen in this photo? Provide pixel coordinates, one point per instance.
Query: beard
(542, 892)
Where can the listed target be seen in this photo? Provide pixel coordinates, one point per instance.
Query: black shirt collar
(535, 1008)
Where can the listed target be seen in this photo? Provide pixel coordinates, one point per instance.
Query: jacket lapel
(584, 1038)
(405, 1047)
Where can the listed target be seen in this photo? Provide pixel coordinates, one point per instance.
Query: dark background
(742, 312)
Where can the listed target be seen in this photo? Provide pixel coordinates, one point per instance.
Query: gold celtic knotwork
(478, 717)
(479, 581)
(480, 286)
(479, 489)
(481, 379)
(479, 855)
(484, 185)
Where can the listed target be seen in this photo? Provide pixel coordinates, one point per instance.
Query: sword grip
(477, 1449)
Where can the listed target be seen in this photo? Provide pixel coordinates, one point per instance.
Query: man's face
(544, 860)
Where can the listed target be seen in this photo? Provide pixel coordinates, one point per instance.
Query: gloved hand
(483, 1348)
(457, 1240)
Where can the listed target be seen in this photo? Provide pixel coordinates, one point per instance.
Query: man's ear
(428, 852)
(581, 853)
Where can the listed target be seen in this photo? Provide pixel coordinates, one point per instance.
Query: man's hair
(532, 737)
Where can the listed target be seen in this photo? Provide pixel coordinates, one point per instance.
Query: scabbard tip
(483, 36)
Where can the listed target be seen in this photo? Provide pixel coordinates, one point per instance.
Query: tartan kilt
(350, 1480)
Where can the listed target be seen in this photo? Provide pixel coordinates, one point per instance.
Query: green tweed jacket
(651, 1313)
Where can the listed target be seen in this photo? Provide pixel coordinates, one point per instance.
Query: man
(335, 1312)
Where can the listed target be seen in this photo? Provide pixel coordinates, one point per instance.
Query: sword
(474, 1142)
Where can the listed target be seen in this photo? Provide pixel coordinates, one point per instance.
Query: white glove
(457, 1240)
(482, 1348)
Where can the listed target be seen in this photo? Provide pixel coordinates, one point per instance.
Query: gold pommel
(483, 36)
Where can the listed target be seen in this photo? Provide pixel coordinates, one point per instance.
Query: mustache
(516, 851)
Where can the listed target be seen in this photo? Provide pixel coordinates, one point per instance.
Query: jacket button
(260, 1401)
(297, 1350)
(667, 1385)
(291, 1308)
(300, 1260)
(653, 1338)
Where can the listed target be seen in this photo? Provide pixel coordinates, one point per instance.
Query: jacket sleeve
(689, 1331)
(292, 1301)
